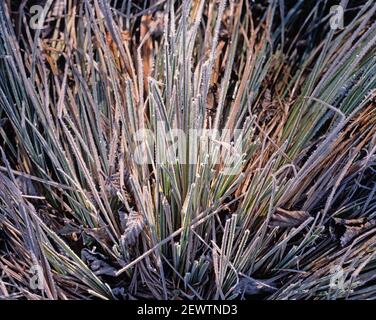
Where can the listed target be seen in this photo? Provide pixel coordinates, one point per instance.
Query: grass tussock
(78, 211)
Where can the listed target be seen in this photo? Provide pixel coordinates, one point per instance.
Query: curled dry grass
(74, 202)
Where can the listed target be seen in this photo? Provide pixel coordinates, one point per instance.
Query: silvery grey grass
(187, 149)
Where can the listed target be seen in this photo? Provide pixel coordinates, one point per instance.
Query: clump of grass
(295, 220)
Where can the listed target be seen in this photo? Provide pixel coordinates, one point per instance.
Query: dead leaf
(249, 286)
(97, 264)
(134, 224)
(285, 218)
(347, 230)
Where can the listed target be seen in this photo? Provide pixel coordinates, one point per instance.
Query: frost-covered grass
(80, 218)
